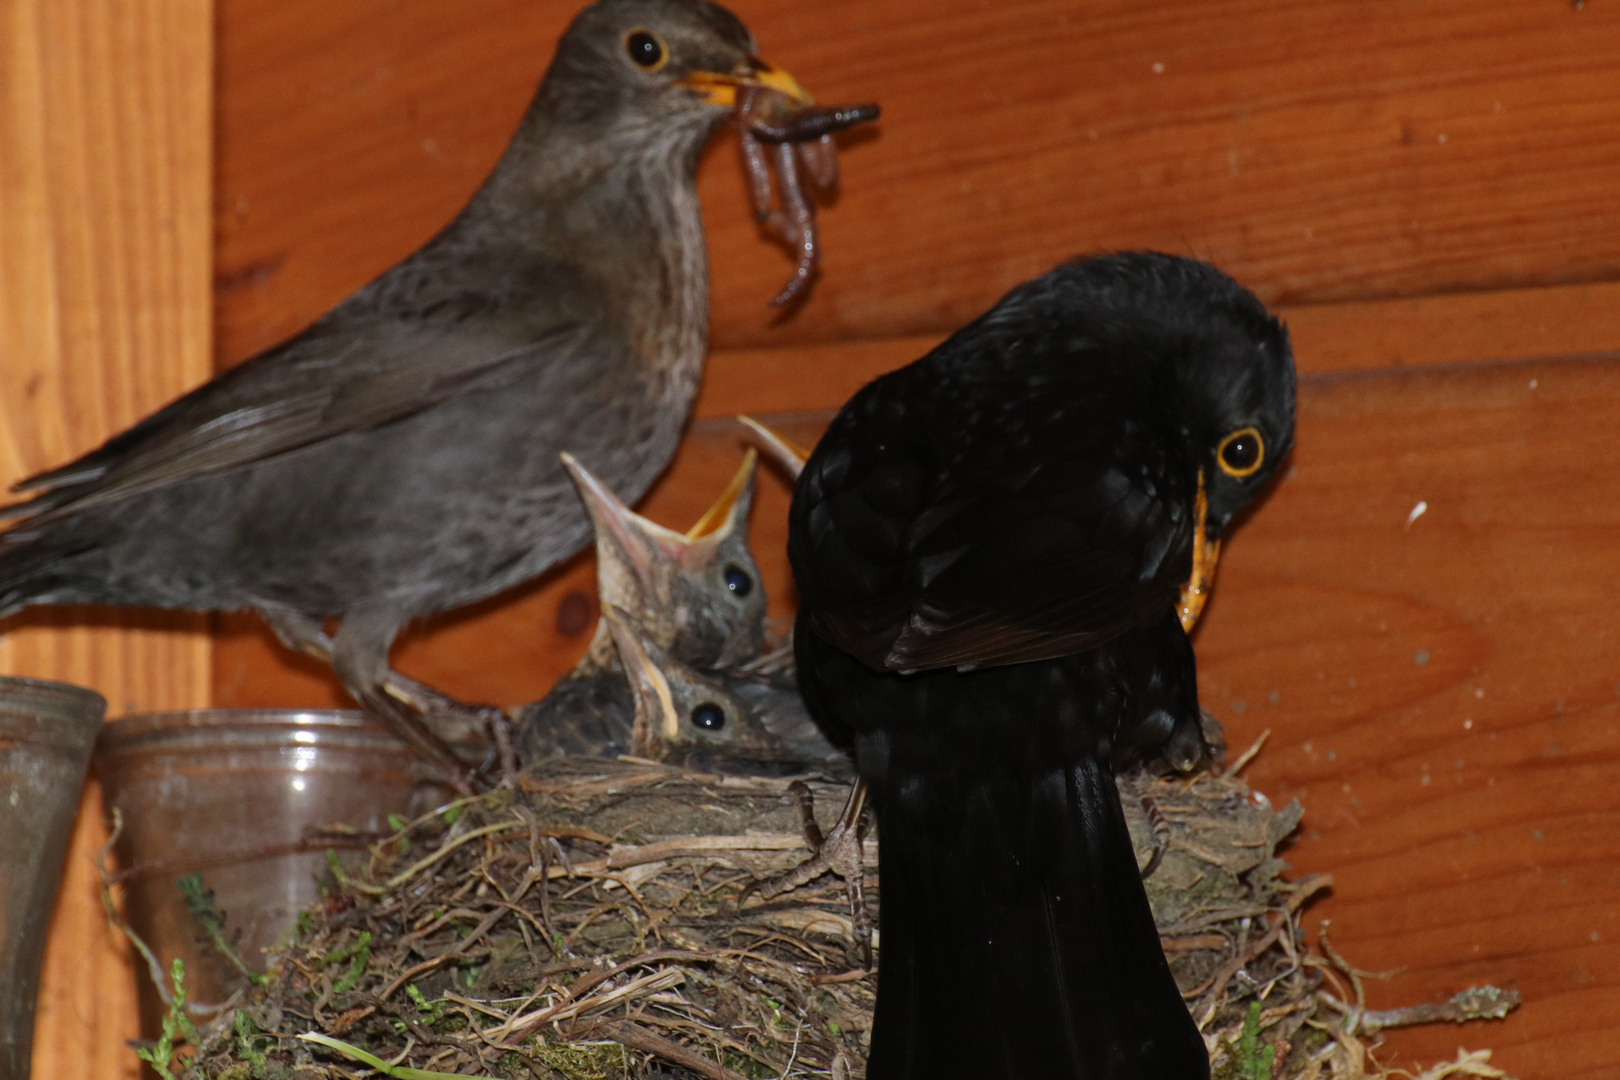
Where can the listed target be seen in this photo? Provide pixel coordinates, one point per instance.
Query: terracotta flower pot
(47, 731)
(252, 801)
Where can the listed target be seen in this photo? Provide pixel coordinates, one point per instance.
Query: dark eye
(645, 49)
(1242, 452)
(709, 716)
(738, 580)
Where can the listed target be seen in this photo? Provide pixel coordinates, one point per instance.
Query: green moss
(584, 1061)
(163, 1055)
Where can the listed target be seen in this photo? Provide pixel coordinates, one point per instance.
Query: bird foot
(1161, 835)
(461, 722)
(427, 720)
(840, 851)
(412, 728)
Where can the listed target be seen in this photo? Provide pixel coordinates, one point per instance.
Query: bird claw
(412, 728)
(401, 703)
(840, 851)
(468, 723)
(1161, 835)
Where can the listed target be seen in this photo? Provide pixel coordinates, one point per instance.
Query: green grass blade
(398, 1072)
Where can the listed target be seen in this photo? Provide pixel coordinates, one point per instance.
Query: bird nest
(595, 924)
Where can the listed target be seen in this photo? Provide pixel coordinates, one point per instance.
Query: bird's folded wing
(911, 556)
(324, 384)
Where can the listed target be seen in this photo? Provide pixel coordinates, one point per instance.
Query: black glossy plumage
(1013, 916)
(1025, 490)
(989, 547)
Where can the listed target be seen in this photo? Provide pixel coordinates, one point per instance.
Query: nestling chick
(702, 720)
(697, 597)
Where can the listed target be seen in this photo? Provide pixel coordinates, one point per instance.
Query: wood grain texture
(509, 649)
(104, 316)
(1319, 149)
(1515, 324)
(1417, 185)
(1444, 698)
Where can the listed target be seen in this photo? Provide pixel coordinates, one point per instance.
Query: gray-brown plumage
(696, 597)
(400, 456)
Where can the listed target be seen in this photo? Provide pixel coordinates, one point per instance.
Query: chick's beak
(718, 518)
(720, 88)
(657, 723)
(1206, 553)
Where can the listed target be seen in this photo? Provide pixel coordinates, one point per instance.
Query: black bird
(696, 596)
(996, 550)
(400, 456)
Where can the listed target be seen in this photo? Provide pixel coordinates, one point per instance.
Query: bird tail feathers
(32, 569)
(1016, 937)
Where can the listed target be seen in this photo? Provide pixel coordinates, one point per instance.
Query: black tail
(1016, 940)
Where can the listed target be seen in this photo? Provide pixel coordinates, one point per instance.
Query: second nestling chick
(714, 720)
(697, 596)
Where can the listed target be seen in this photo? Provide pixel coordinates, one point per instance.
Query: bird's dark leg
(360, 657)
(301, 633)
(840, 851)
(297, 631)
(805, 800)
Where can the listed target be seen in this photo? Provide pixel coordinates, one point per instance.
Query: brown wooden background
(104, 315)
(1427, 190)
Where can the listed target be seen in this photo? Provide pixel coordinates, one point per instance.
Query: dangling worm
(799, 138)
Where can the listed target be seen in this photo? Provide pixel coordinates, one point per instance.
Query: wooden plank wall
(1425, 188)
(104, 315)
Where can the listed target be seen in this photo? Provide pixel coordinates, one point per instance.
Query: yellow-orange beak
(716, 515)
(1206, 553)
(788, 454)
(720, 88)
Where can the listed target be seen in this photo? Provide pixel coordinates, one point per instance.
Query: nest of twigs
(588, 927)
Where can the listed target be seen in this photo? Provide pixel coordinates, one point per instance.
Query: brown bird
(400, 456)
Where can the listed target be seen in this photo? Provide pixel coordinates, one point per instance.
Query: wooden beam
(1321, 150)
(1512, 324)
(105, 170)
(511, 648)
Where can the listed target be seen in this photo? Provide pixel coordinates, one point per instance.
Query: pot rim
(45, 711)
(257, 726)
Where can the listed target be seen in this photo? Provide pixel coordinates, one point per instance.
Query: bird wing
(972, 524)
(328, 382)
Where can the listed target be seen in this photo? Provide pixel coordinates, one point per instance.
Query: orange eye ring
(1241, 453)
(646, 50)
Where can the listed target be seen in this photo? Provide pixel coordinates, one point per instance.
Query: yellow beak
(716, 515)
(720, 88)
(1206, 553)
